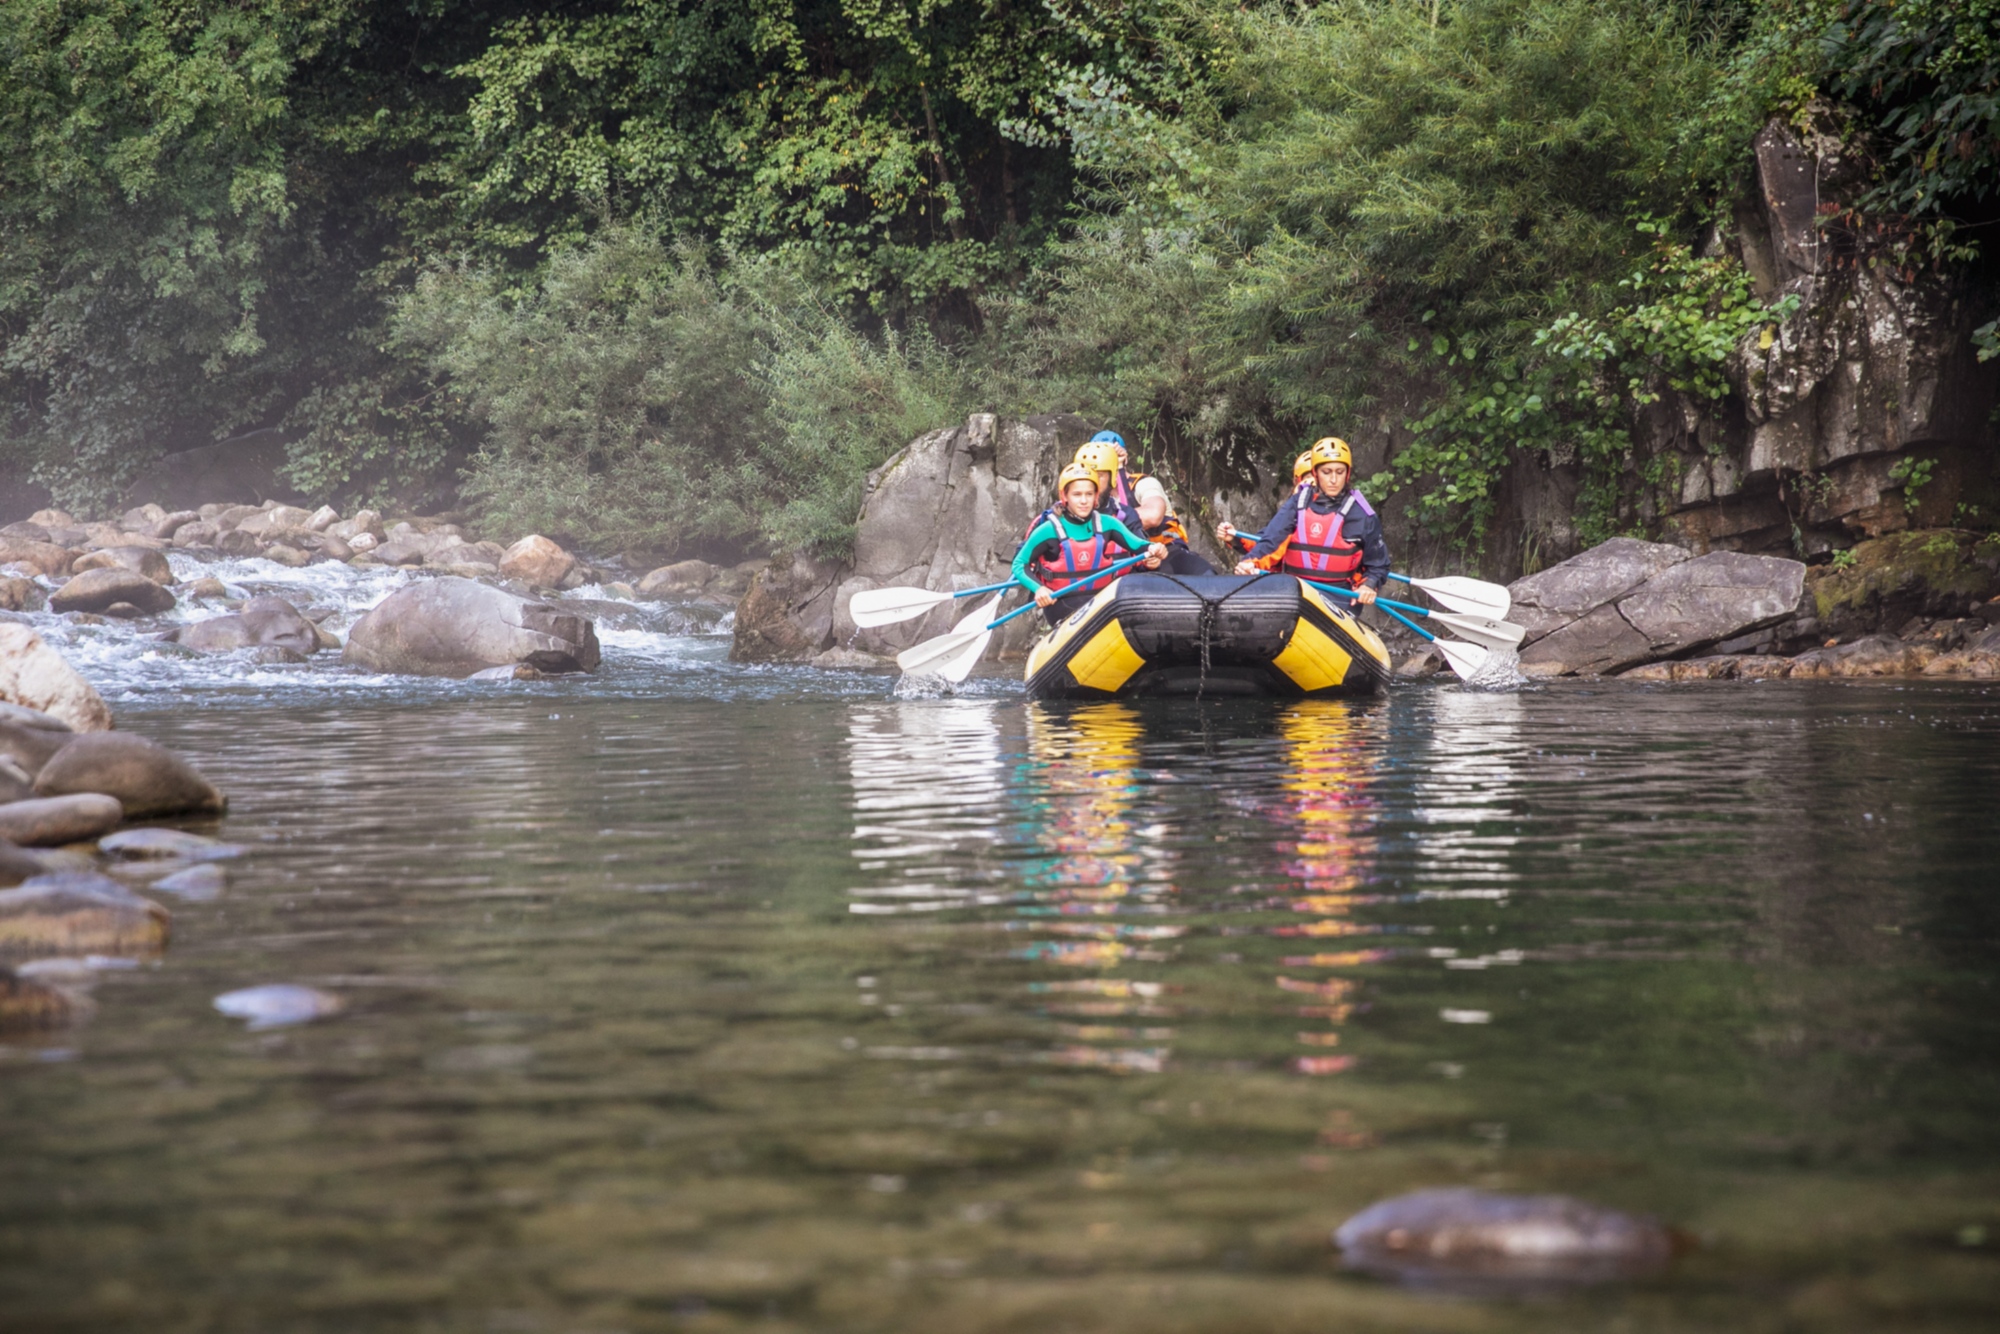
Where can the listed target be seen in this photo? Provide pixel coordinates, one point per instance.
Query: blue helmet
(1111, 436)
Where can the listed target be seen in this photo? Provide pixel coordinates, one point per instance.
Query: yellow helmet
(1331, 449)
(1076, 472)
(1302, 465)
(1099, 456)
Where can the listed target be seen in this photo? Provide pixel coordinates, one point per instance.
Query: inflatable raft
(1153, 634)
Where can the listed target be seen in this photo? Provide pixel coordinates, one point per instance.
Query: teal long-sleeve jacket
(1053, 528)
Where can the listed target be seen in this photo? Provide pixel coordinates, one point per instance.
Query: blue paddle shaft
(1387, 606)
(990, 588)
(1076, 587)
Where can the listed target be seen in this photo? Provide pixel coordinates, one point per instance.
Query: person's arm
(1374, 552)
(1042, 533)
(1281, 526)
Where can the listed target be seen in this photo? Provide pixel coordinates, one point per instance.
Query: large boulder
(537, 562)
(688, 576)
(34, 676)
(947, 512)
(44, 558)
(1569, 591)
(455, 627)
(96, 590)
(1686, 607)
(263, 621)
(146, 777)
(46, 822)
(142, 561)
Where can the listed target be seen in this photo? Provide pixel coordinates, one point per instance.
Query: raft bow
(1160, 634)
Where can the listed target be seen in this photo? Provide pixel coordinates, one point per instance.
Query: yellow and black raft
(1157, 634)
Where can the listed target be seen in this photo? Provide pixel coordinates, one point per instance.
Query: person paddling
(1159, 523)
(1073, 543)
(1234, 539)
(1327, 532)
(1113, 486)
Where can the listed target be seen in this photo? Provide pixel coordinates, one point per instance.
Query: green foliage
(1570, 395)
(642, 397)
(1986, 339)
(1843, 560)
(1912, 474)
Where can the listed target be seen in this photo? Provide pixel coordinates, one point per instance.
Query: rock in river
(45, 822)
(264, 621)
(455, 627)
(278, 1004)
(536, 561)
(152, 844)
(34, 676)
(147, 777)
(142, 561)
(1462, 1238)
(79, 912)
(27, 1003)
(94, 590)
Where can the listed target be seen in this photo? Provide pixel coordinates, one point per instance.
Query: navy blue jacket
(1362, 525)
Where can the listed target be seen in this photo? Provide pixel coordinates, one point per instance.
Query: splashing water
(1500, 671)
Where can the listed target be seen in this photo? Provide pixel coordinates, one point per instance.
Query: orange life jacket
(1316, 550)
(1074, 559)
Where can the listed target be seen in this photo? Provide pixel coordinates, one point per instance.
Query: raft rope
(1211, 611)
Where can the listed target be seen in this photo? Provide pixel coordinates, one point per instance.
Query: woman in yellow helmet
(1073, 543)
(1328, 532)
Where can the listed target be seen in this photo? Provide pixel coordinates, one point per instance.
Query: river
(701, 996)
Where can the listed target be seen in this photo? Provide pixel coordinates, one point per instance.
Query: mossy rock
(1928, 572)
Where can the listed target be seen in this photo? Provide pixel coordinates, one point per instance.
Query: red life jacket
(1074, 559)
(1316, 550)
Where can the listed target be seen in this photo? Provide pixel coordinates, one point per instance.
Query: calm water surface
(699, 997)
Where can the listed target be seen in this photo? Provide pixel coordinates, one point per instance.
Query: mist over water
(700, 996)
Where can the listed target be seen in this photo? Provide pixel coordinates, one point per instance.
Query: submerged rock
(79, 912)
(28, 1003)
(456, 627)
(49, 821)
(95, 590)
(20, 594)
(1465, 1238)
(278, 1005)
(147, 777)
(152, 844)
(36, 677)
(196, 884)
(28, 737)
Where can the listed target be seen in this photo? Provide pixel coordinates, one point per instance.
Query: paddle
(1465, 659)
(933, 654)
(1481, 630)
(1475, 597)
(889, 606)
(957, 669)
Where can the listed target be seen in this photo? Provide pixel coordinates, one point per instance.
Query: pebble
(279, 1004)
(1475, 1239)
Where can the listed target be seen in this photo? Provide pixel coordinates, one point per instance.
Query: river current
(700, 996)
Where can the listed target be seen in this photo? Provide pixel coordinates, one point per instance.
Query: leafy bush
(649, 397)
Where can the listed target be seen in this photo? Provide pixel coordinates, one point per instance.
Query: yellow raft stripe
(1107, 661)
(1313, 660)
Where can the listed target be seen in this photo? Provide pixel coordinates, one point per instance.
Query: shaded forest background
(672, 275)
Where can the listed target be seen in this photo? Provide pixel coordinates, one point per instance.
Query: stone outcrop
(946, 512)
(537, 562)
(456, 627)
(1622, 616)
(34, 676)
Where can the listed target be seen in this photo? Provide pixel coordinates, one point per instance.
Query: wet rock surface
(49, 821)
(34, 676)
(101, 589)
(1476, 1240)
(456, 627)
(79, 913)
(278, 1005)
(146, 777)
(264, 621)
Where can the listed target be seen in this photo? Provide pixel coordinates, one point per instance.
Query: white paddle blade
(929, 655)
(935, 655)
(889, 606)
(1464, 659)
(957, 669)
(1473, 597)
(1482, 630)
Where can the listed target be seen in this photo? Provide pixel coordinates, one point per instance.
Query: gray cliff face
(946, 512)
